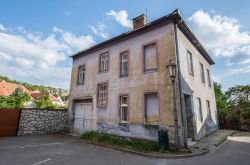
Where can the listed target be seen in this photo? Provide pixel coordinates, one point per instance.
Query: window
(124, 108)
(208, 78)
(151, 108)
(104, 62)
(190, 63)
(150, 58)
(209, 111)
(199, 108)
(102, 95)
(124, 64)
(81, 74)
(202, 73)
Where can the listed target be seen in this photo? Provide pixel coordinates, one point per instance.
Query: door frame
(192, 111)
(82, 100)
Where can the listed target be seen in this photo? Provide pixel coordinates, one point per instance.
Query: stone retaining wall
(41, 121)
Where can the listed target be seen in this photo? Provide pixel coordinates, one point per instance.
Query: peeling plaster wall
(135, 85)
(193, 86)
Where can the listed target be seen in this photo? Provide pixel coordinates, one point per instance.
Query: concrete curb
(151, 155)
(224, 139)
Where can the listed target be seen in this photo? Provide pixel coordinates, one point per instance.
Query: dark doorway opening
(189, 115)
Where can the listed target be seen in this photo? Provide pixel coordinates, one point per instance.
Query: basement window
(81, 74)
(124, 64)
(151, 108)
(104, 62)
(102, 95)
(150, 57)
(124, 108)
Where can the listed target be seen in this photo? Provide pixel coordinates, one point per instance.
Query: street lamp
(172, 73)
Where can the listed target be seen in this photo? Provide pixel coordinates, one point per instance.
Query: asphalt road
(65, 150)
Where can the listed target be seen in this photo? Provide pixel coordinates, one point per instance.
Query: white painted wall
(194, 86)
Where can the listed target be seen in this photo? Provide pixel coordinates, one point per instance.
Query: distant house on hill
(7, 88)
(37, 95)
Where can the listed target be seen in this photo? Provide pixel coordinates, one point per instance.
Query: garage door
(83, 117)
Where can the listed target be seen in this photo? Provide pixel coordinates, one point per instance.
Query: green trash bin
(163, 139)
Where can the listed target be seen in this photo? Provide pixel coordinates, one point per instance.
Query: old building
(122, 86)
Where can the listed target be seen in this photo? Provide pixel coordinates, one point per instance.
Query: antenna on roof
(146, 14)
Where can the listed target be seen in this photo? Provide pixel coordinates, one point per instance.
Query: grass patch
(122, 142)
(135, 144)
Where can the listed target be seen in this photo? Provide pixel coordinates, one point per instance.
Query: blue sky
(37, 37)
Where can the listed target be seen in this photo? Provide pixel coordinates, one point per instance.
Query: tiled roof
(7, 88)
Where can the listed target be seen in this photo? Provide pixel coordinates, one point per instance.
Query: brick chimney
(139, 21)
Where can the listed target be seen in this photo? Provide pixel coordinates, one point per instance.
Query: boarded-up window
(81, 74)
(151, 108)
(104, 62)
(102, 95)
(150, 57)
(124, 64)
(199, 107)
(190, 63)
(124, 108)
(202, 73)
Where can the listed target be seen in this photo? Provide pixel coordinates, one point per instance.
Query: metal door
(9, 119)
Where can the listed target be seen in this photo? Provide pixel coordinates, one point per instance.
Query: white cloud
(2, 28)
(222, 36)
(99, 29)
(242, 70)
(121, 17)
(36, 58)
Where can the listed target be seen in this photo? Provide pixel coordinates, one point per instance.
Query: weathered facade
(122, 85)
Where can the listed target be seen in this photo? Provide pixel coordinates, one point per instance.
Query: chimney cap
(138, 17)
(139, 21)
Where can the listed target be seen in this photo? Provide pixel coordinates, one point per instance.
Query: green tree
(239, 101)
(45, 102)
(16, 100)
(221, 101)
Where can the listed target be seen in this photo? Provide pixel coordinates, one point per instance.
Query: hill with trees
(44, 89)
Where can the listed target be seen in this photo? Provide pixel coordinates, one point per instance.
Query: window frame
(98, 95)
(145, 70)
(202, 73)
(145, 106)
(120, 63)
(78, 72)
(120, 108)
(190, 62)
(209, 78)
(200, 109)
(100, 61)
(209, 115)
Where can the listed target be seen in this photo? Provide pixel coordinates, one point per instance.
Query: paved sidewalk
(212, 141)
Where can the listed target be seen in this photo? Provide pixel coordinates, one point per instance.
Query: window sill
(125, 76)
(191, 75)
(123, 122)
(150, 124)
(150, 71)
(105, 71)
